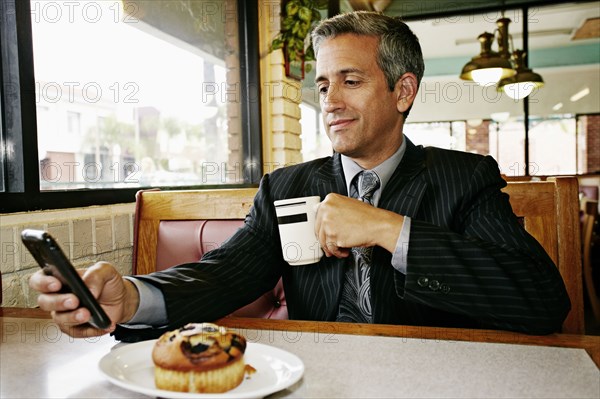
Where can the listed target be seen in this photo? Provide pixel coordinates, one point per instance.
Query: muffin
(199, 358)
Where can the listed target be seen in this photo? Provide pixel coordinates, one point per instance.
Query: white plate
(131, 367)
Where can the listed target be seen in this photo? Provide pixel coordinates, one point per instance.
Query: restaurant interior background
(103, 98)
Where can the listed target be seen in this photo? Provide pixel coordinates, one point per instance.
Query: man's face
(360, 113)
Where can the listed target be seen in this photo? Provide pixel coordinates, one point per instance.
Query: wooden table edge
(588, 342)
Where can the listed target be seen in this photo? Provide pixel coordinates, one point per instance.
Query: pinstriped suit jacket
(470, 263)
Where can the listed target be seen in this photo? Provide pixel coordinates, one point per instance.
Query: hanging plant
(297, 20)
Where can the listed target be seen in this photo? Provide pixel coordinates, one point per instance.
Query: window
(552, 145)
(507, 144)
(152, 102)
(315, 143)
(449, 135)
(128, 94)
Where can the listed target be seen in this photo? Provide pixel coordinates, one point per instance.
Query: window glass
(552, 145)
(315, 143)
(507, 144)
(449, 135)
(136, 93)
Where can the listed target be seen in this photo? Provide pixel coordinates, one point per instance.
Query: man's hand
(343, 223)
(118, 297)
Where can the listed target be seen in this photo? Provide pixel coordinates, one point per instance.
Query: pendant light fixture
(523, 82)
(508, 71)
(490, 66)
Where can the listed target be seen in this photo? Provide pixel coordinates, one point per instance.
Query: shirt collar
(384, 170)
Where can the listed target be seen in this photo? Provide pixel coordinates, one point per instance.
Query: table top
(37, 360)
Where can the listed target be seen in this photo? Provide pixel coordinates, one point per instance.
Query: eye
(351, 83)
(323, 89)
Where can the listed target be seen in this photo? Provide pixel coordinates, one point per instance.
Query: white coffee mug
(296, 220)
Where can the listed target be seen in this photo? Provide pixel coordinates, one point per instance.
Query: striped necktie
(355, 304)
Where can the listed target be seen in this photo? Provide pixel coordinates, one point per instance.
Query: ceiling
(549, 27)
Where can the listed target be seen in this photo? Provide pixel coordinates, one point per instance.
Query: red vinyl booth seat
(170, 229)
(183, 241)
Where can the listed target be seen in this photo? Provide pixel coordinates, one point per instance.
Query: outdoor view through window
(136, 93)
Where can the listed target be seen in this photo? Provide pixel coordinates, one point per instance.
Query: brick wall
(280, 95)
(86, 235)
(592, 133)
(478, 138)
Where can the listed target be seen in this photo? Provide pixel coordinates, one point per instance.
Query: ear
(406, 91)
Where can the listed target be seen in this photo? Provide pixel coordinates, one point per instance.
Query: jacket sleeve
(484, 264)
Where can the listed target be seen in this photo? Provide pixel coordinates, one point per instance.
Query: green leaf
(305, 14)
(291, 8)
(276, 44)
(287, 23)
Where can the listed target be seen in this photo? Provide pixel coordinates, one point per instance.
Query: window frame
(20, 166)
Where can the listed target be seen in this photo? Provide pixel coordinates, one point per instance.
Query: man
(436, 243)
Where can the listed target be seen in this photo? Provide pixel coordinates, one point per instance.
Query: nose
(332, 100)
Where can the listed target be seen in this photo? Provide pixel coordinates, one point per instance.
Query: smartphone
(53, 261)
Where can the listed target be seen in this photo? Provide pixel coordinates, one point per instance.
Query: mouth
(340, 124)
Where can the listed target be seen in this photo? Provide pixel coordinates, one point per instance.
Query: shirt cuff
(399, 258)
(152, 310)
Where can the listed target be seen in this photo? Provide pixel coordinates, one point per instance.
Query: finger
(343, 252)
(338, 252)
(331, 248)
(97, 276)
(316, 208)
(41, 282)
(320, 234)
(58, 302)
(326, 251)
(76, 324)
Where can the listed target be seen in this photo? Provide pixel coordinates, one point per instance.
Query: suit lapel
(330, 179)
(405, 190)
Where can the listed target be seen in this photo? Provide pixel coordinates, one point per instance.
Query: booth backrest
(549, 211)
(174, 227)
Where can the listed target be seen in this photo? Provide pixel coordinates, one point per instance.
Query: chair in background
(590, 216)
(588, 192)
(175, 227)
(549, 211)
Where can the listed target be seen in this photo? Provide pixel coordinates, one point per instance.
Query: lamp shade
(524, 82)
(489, 66)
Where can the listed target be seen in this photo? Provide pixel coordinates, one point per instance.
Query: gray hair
(398, 52)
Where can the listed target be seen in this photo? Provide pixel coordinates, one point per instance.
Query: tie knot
(368, 184)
